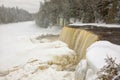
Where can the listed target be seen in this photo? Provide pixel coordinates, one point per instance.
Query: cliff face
(104, 32)
(109, 34)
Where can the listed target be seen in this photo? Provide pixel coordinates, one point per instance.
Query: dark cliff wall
(111, 34)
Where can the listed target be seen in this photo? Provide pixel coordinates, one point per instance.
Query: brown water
(49, 38)
(78, 40)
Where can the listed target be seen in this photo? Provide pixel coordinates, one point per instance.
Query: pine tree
(111, 71)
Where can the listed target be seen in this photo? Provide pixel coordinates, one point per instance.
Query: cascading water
(78, 40)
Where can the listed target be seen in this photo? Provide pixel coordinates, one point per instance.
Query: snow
(16, 38)
(33, 71)
(98, 51)
(23, 32)
(22, 58)
(19, 33)
(95, 59)
(96, 24)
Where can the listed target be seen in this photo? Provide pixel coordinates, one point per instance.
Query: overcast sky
(29, 5)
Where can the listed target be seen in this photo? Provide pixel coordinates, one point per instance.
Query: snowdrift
(95, 59)
(97, 53)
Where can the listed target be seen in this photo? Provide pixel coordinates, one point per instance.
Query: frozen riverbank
(23, 56)
(28, 52)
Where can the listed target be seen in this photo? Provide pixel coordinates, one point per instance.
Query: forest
(57, 12)
(10, 15)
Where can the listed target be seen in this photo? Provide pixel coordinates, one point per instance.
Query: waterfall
(78, 40)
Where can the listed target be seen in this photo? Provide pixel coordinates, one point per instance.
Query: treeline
(10, 15)
(88, 11)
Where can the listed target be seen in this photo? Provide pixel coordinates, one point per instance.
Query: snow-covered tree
(111, 71)
(87, 11)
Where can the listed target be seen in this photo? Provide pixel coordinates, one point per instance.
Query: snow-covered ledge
(95, 59)
(96, 24)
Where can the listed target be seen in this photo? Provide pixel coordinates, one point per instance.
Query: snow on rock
(95, 59)
(81, 70)
(95, 24)
(97, 53)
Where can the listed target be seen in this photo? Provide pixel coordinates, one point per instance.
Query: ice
(81, 70)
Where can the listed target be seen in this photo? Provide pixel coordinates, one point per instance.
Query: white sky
(29, 5)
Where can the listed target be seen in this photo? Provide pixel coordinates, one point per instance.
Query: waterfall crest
(78, 40)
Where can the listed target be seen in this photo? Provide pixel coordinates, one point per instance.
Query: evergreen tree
(10, 15)
(87, 11)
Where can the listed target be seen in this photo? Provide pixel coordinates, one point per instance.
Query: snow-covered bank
(97, 53)
(95, 59)
(96, 24)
